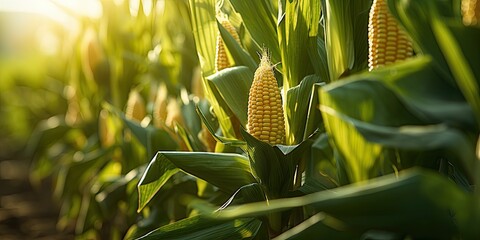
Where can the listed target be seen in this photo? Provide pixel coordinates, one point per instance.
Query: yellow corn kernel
(265, 112)
(471, 12)
(221, 58)
(135, 107)
(388, 43)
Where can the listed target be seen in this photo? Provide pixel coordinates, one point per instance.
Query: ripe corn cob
(135, 107)
(105, 132)
(207, 139)
(74, 114)
(388, 43)
(471, 12)
(221, 58)
(265, 113)
(160, 106)
(174, 113)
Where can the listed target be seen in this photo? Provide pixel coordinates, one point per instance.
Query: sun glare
(57, 10)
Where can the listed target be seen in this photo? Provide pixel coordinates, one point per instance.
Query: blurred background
(36, 41)
(61, 63)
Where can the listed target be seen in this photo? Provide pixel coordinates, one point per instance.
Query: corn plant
(123, 68)
(388, 150)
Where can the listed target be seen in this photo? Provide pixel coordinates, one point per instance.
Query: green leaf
(204, 228)
(46, 133)
(316, 227)
(274, 166)
(233, 84)
(157, 173)
(421, 201)
(240, 56)
(204, 28)
(425, 93)
(296, 26)
(318, 56)
(228, 172)
(460, 67)
(204, 25)
(261, 23)
(253, 192)
(417, 18)
(150, 137)
(297, 109)
(346, 35)
(209, 123)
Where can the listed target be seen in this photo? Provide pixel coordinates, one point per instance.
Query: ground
(26, 212)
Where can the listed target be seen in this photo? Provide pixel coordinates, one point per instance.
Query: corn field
(254, 119)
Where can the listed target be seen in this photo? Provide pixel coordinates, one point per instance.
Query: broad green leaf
(204, 28)
(46, 133)
(320, 172)
(253, 192)
(79, 172)
(425, 93)
(318, 56)
(421, 201)
(204, 25)
(314, 116)
(114, 191)
(461, 68)
(233, 84)
(367, 101)
(274, 166)
(260, 21)
(360, 155)
(241, 57)
(316, 227)
(420, 138)
(204, 228)
(157, 173)
(345, 35)
(150, 137)
(416, 17)
(297, 108)
(228, 172)
(295, 28)
(209, 123)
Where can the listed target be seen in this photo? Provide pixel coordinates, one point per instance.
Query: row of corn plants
(303, 119)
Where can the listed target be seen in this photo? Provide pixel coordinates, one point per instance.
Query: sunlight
(57, 10)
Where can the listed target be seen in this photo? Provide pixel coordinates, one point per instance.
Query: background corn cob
(106, 133)
(471, 12)
(135, 107)
(221, 58)
(160, 106)
(265, 112)
(388, 43)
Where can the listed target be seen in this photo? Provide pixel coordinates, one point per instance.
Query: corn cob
(73, 115)
(174, 113)
(207, 139)
(388, 43)
(160, 106)
(265, 113)
(135, 107)
(471, 12)
(105, 132)
(221, 58)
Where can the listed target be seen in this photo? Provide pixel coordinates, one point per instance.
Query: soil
(26, 212)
